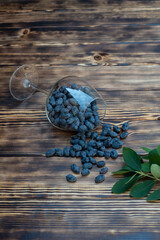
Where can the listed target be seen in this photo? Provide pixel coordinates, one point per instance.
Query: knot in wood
(97, 57)
(25, 32)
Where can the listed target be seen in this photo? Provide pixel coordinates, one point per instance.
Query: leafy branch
(136, 169)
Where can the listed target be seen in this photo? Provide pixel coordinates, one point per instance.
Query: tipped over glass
(72, 104)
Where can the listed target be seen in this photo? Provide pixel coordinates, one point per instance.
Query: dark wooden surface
(115, 45)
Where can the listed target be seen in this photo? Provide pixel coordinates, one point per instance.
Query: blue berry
(75, 168)
(112, 134)
(62, 89)
(113, 154)
(83, 137)
(75, 110)
(102, 138)
(76, 121)
(92, 160)
(94, 135)
(77, 147)
(102, 148)
(106, 126)
(56, 121)
(92, 152)
(82, 143)
(88, 115)
(94, 108)
(58, 95)
(49, 107)
(52, 101)
(99, 144)
(64, 110)
(52, 113)
(92, 143)
(70, 120)
(116, 143)
(66, 151)
(73, 101)
(99, 178)
(100, 164)
(74, 141)
(81, 117)
(66, 104)
(92, 119)
(85, 172)
(72, 153)
(87, 165)
(57, 108)
(74, 85)
(100, 153)
(125, 126)
(59, 101)
(123, 135)
(82, 128)
(88, 134)
(83, 154)
(105, 132)
(63, 122)
(71, 178)
(97, 120)
(86, 90)
(98, 138)
(85, 160)
(107, 154)
(58, 152)
(116, 129)
(69, 107)
(65, 115)
(108, 142)
(50, 152)
(103, 170)
(89, 125)
(78, 154)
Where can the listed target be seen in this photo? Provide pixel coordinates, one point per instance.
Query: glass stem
(40, 89)
(27, 83)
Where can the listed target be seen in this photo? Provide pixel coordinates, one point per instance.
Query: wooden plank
(74, 4)
(37, 137)
(104, 78)
(35, 196)
(124, 38)
(85, 54)
(120, 27)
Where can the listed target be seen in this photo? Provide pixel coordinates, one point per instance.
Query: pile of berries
(74, 108)
(92, 144)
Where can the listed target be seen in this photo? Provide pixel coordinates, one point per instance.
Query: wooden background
(115, 45)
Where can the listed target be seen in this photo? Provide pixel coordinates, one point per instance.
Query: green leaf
(142, 189)
(154, 157)
(158, 149)
(154, 195)
(124, 184)
(155, 170)
(146, 149)
(131, 158)
(145, 167)
(123, 170)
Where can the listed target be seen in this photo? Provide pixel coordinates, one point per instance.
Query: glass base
(21, 82)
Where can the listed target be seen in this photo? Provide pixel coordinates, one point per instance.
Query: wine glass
(71, 104)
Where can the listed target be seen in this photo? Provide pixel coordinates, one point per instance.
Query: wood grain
(114, 45)
(35, 196)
